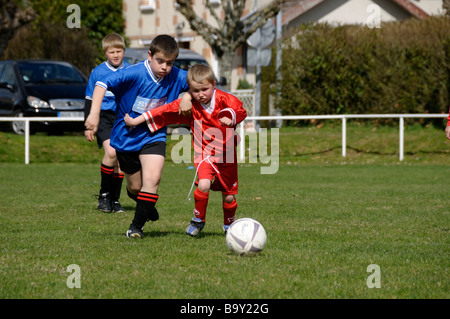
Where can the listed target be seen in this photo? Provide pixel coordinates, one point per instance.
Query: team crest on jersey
(142, 104)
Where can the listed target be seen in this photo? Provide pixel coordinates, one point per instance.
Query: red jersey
(211, 138)
(448, 119)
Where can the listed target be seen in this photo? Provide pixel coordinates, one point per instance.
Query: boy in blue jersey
(113, 46)
(138, 89)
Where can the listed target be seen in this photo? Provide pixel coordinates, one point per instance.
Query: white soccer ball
(246, 237)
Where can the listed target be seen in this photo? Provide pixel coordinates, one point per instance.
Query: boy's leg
(152, 166)
(106, 178)
(201, 203)
(229, 210)
(116, 190)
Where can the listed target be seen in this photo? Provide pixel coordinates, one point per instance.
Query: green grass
(327, 219)
(325, 226)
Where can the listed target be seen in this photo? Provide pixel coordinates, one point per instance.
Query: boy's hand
(89, 135)
(129, 120)
(185, 105)
(91, 125)
(225, 121)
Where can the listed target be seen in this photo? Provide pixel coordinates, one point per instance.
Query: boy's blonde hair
(200, 72)
(113, 40)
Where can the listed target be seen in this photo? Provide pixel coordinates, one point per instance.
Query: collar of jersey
(113, 68)
(211, 105)
(149, 70)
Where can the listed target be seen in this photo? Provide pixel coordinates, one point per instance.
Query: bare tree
(446, 6)
(232, 30)
(12, 17)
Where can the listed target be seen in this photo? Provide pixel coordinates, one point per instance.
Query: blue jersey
(137, 90)
(109, 102)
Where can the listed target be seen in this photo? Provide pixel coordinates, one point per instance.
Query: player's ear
(149, 56)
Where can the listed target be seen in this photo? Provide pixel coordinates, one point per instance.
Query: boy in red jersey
(215, 115)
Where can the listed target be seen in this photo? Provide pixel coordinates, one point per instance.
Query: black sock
(106, 179)
(148, 200)
(116, 188)
(131, 195)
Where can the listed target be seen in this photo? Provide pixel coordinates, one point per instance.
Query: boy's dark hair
(165, 44)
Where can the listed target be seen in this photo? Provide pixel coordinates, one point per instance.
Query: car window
(48, 73)
(185, 64)
(7, 76)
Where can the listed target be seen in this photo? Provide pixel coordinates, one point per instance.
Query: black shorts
(105, 126)
(129, 161)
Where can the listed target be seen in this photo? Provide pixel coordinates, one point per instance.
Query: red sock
(201, 202)
(229, 212)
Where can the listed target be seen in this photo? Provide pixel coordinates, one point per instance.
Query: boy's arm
(94, 114)
(234, 111)
(165, 115)
(131, 122)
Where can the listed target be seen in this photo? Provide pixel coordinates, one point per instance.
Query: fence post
(344, 136)
(27, 142)
(242, 146)
(401, 138)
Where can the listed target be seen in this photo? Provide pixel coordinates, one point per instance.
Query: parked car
(186, 58)
(43, 88)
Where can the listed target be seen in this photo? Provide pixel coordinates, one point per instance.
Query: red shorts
(223, 176)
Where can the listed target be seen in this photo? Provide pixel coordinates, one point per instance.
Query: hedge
(402, 67)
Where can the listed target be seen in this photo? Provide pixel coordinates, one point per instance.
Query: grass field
(327, 220)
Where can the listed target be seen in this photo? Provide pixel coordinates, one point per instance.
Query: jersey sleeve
(232, 108)
(165, 115)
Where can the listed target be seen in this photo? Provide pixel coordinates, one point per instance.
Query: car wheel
(18, 127)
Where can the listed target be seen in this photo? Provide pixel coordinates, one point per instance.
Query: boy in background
(139, 88)
(113, 46)
(215, 115)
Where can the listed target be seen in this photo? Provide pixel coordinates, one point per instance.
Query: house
(145, 19)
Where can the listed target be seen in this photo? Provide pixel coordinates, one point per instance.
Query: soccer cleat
(225, 228)
(104, 203)
(135, 232)
(117, 208)
(195, 227)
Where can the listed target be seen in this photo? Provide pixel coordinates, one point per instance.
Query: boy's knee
(204, 185)
(228, 199)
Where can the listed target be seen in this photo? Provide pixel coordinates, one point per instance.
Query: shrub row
(402, 67)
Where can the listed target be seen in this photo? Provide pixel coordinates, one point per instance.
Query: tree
(446, 6)
(12, 17)
(232, 31)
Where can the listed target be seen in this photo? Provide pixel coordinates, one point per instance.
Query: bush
(53, 42)
(402, 67)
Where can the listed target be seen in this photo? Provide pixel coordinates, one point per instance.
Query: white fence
(342, 117)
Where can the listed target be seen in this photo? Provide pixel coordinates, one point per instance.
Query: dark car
(43, 88)
(186, 58)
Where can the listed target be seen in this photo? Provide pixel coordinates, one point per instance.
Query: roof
(292, 9)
